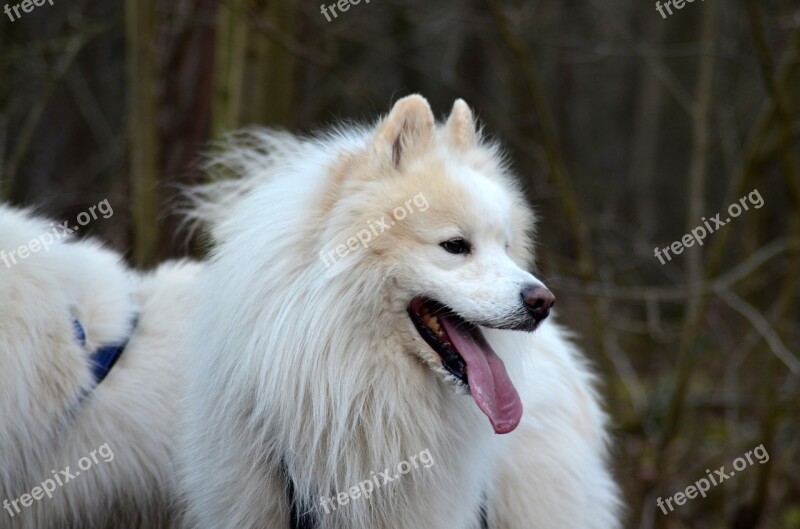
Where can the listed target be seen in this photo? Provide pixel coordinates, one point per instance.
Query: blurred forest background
(627, 128)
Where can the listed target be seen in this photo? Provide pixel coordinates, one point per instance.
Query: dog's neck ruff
(104, 358)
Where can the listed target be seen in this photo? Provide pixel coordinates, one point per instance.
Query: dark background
(626, 128)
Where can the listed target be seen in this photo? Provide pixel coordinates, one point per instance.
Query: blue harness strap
(484, 514)
(104, 358)
(299, 517)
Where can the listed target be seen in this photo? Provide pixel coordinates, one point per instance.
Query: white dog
(88, 382)
(362, 285)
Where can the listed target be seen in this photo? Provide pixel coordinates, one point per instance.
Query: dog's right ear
(460, 127)
(408, 127)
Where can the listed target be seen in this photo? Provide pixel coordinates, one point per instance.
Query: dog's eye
(456, 246)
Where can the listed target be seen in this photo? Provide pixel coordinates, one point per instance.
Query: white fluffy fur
(43, 369)
(321, 369)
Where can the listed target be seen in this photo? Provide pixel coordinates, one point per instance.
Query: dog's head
(453, 236)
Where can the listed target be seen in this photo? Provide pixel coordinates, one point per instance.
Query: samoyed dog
(369, 350)
(88, 381)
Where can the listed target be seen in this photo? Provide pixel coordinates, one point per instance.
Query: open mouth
(467, 356)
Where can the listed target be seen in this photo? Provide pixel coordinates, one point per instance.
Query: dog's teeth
(432, 322)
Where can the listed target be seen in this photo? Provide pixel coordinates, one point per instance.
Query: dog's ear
(460, 127)
(409, 126)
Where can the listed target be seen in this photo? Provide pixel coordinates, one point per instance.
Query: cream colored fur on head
(319, 369)
(44, 369)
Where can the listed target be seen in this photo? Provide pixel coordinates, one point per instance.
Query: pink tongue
(489, 384)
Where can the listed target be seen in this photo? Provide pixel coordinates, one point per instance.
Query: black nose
(538, 301)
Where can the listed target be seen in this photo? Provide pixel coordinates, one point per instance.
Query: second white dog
(85, 445)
